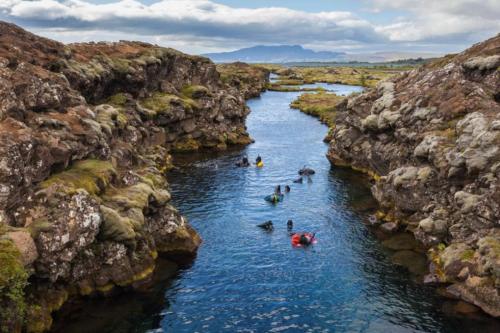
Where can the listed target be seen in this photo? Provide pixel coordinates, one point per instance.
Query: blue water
(248, 280)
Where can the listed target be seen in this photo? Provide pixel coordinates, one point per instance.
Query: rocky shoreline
(86, 132)
(430, 138)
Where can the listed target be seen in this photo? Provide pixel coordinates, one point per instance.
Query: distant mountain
(275, 54)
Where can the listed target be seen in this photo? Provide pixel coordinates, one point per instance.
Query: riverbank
(429, 139)
(247, 279)
(86, 133)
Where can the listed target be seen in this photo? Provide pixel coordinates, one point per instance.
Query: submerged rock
(415, 262)
(403, 241)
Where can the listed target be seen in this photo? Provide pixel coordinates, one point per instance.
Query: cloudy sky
(198, 26)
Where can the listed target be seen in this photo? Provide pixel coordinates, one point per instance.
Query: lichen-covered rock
(86, 132)
(430, 138)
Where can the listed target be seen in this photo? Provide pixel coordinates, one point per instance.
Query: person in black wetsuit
(243, 163)
(306, 241)
(258, 159)
(289, 225)
(277, 190)
(267, 226)
(287, 189)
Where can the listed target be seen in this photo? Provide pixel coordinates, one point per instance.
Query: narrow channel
(248, 280)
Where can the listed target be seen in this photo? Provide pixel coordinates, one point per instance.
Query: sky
(201, 26)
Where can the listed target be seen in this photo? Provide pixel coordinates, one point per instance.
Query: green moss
(135, 196)
(38, 226)
(38, 319)
(163, 103)
(282, 88)
(195, 91)
(122, 208)
(3, 228)
(118, 100)
(184, 146)
(90, 175)
(13, 280)
(467, 255)
(121, 65)
(153, 179)
(290, 82)
(364, 76)
(117, 227)
(110, 117)
(321, 105)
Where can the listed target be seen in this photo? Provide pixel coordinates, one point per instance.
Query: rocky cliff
(85, 136)
(430, 138)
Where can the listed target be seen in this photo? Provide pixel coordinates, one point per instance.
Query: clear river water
(247, 280)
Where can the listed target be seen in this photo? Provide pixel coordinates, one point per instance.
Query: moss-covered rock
(164, 103)
(321, 105)
(195, 91)
(110, 118)
(118, 99)
(91, 175)
(186, 146)
(13, 280)
(118, 228)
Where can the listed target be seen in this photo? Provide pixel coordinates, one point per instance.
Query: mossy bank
(429, 138)
(86, 132)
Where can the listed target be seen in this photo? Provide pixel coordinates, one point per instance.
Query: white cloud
(442, 21)
(205, 24)
(202, 18)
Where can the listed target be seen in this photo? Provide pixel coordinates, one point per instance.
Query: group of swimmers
(245, 163)
(298, 239)
(277, 196)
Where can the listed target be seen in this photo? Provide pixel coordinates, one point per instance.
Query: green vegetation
(367, 77)
(185, 146)
(162, 102)
(290, 82)
(397, 64)
(117, 100)
(110, 117)
(321, 105)
(467, 255)
(278, 87)
(195, 91)
(91, 175)
(242, 75)
(123, 207)
(359, 76)
(13, 280)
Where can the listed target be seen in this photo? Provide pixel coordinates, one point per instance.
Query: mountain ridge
(274, 53)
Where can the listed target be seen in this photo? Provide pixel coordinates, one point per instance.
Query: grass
(366, 77)
(321, 105)
(357, 76)
(284, 88)
(242, 74)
